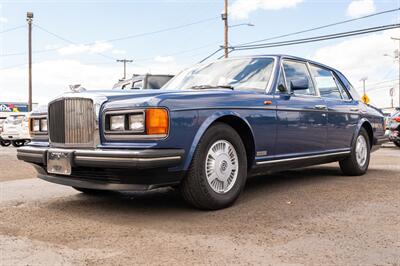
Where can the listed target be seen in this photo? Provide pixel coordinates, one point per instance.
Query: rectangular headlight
(136, 123)
(35, 125)
(43, 125)
(117, 122)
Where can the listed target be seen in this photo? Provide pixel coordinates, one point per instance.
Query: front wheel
(358, 161)
(218, 171)
(397, 143)
(5, 143)
(18, 143)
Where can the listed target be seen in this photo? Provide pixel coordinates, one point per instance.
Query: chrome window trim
(133, 135)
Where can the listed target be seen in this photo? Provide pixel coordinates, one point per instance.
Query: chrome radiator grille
(71, 121)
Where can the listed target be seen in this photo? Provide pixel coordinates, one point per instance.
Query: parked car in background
(3, 142)
(38, 124)
(16, 129)
(208, 129)
(143, 82)
(394, 127)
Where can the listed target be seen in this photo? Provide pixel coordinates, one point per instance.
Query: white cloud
(51, 78)
(3, 20)
(241, 9)
(358, 8)
(164, 59)
(118, 51)
(97, 47)
(363, 56)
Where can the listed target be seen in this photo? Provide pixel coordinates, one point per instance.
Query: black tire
(397, 143)
(5, 143)
(90, 191)
(195, 188)
(350, 165)
(18, 143)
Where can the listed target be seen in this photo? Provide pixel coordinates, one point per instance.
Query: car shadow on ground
(169, 200)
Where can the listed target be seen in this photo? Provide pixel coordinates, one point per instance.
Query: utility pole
(124, 61)
(29, 18)
(224, 17)
(364, 97)
(398, 58)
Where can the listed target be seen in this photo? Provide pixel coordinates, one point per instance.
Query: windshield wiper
(205, 87)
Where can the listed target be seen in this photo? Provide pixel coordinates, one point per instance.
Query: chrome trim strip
(121, 159)
(303, 157)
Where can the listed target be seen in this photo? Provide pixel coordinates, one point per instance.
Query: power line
(12, 29)
(115, 39)
(322, 27)
(69, 41)
(318, 38)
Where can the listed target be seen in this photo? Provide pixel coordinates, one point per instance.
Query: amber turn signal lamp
(157, 121)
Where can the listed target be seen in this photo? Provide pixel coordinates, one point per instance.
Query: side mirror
(299, 84)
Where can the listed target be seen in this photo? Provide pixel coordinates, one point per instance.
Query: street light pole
(224, 17)
(398, 57)
(364, 92)
(29, 18)
(124, 61)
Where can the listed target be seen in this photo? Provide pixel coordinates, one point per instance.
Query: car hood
(176, 99)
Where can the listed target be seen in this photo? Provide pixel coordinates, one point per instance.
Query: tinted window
(345, 93)
(326, 83)
(137, 85)
(156, 82)
(295, 71)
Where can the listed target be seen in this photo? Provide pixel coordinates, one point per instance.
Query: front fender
(205, 125)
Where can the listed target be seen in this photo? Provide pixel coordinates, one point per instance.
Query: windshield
(237, 73)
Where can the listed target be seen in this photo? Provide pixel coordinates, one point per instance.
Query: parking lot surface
(311, 216)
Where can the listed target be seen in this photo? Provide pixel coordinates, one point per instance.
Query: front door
(301, 114)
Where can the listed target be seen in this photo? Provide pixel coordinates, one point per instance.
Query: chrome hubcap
(361, 150)
(221, 166)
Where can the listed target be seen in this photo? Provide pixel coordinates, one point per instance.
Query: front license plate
(59, 162)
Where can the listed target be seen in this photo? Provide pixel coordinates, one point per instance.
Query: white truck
(15, 130)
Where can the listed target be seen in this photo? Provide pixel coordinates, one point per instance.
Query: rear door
(343, 113)
(301, 114)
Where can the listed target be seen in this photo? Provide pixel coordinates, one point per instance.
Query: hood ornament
(77, 88)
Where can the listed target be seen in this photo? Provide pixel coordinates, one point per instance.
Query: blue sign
(13, 107)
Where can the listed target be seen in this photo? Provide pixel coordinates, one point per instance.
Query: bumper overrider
(110, 169)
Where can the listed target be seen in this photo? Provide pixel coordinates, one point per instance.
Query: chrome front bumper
(136, 159)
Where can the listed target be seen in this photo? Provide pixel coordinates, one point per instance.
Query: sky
(78, 42)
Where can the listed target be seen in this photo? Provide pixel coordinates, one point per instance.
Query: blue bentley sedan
(207, 130)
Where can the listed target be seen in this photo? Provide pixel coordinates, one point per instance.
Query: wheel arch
(237, 122)
(366, 124)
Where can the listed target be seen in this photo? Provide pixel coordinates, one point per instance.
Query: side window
(126, 86)
(295, 72)
(281, 88)
(345, 94)
(326, 83)
(137, 85)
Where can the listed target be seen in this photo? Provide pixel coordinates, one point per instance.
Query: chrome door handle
(354, 109)
(320, 107)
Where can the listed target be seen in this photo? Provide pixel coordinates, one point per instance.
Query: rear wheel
(358, 161)
(218, 171)
(5, 143)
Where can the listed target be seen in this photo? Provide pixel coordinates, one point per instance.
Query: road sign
(365, 98)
